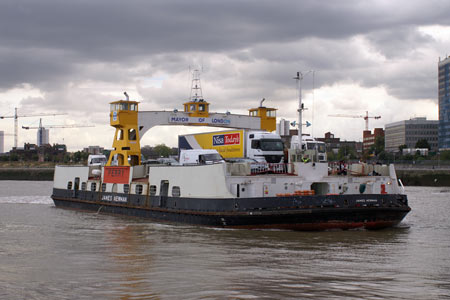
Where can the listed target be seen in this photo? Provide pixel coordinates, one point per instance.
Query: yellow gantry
(198, 108)
(127, 149)
(267, 116)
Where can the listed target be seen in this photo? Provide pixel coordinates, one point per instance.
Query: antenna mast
(196, 87)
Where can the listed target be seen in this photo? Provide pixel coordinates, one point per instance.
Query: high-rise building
(444, 103)
(2, 142)
(42, 136)
(408, 132)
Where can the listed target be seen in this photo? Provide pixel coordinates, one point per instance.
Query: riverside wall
(424, 177)
(36, 174)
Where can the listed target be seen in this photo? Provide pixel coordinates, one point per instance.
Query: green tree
(162, 150)
(66, 158)
(346, 152)
(147, 151)
(331, 156)
(76, 157)
(401, 147)
(378, 146)
(444, 155)
(423, 143)
(383, 155)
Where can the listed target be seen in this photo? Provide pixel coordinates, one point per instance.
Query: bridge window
(133, 106)
(93, 186)
(201, 107)
(126, 188)
(69, 185)
(83, 186)
(192, 108)
(272, 113)
(124, 106)
(103, 187)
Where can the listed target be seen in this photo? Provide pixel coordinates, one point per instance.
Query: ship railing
(357, 169)
(337, 168)
(271, 168)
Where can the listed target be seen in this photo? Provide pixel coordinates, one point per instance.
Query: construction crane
(365, 117)
(16, 122)
(41, 129)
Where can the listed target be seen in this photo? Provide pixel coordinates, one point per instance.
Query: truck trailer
(241, 143)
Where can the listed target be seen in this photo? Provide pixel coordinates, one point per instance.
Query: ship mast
(301, 107)
(196, 87)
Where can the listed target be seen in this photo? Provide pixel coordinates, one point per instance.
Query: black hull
(319, 212)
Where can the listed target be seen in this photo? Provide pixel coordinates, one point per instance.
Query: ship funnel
(126, 95)
(260, 104)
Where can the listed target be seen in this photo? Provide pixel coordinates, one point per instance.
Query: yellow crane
(366, 117)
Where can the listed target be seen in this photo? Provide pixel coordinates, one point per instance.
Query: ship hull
(320, 212)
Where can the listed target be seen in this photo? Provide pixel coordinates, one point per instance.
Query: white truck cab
(200, 157)
(264, 147)
(313, 149)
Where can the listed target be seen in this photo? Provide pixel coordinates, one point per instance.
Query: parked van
(97, 160)
(200, 157)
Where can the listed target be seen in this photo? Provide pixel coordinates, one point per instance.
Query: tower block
(124, 117)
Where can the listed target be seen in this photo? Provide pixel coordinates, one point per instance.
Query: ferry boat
(302, 194)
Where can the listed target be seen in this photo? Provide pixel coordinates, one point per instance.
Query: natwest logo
(226, 139)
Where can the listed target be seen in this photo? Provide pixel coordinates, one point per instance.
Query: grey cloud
(49, 43)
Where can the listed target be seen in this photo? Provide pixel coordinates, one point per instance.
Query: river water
(52, 253)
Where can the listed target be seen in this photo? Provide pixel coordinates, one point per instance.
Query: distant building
(408, 132)
(32, 152)
(2, 142)
(369, 137)
(42, 136)
(94, 150)
(444, 103)
(421, 151)
(333, 144)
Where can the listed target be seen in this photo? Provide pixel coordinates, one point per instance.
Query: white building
(408, 132)
(42, 136)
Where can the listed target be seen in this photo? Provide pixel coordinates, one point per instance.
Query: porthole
(153, 190)
(138, 190)
(176, 191)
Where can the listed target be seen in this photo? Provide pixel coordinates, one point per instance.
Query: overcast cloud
(76, 56)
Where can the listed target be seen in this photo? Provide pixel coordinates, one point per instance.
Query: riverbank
(424, 177)
(17, 170)
(38, 174)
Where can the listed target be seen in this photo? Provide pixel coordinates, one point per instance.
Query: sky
(74, 57)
